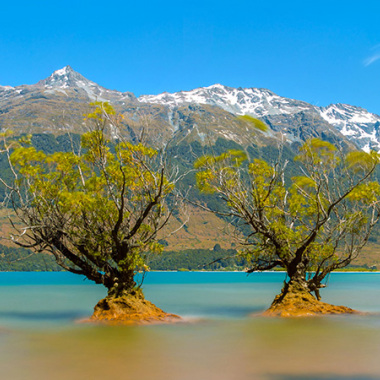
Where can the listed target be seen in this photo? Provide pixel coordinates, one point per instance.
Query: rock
(298, 303)
(130, 309)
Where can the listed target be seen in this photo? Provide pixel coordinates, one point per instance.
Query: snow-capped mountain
(241, 101)
(65, 82)
(291, 120)
(57, 103)
(6, 88)
(357, 124)
(66, 79)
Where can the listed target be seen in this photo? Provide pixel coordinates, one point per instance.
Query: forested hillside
(192, 247)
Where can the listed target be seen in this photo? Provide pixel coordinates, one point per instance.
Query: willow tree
(98, 210)
(316, 224)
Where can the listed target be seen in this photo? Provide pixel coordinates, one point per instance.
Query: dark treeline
(218, 259)
(21, 259)
(199, 259)
(182, 156)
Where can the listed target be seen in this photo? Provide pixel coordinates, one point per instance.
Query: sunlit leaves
(318, 152)
(361, 161)
(256, 123)
(204, 181)
(303, 182)
(365, 192)
(328, 208)
(260, 170)
(232, 157)
(107, 200)
(210, 168)
(99, 109)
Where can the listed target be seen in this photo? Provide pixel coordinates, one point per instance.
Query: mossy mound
(129, 309)
(298, 302)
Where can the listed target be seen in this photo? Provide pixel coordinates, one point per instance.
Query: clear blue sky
(319, 51)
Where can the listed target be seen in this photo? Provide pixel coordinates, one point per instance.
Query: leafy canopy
(98, 209)
(319, 223)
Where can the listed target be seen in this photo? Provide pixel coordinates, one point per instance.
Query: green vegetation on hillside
(21, 259)
(183, 156)
(316, 224)
(199, 259)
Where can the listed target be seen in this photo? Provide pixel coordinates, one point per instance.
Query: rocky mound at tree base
(129, 309)
(303, 304)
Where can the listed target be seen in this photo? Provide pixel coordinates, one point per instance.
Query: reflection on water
(226, 344)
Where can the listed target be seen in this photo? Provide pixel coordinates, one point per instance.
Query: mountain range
(57, 104)
(192, 121)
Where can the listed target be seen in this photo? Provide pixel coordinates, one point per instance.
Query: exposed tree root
(298, 302)
(128, 309)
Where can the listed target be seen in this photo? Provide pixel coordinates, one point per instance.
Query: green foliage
(21, 259)
(258, 124)
(365, 192)
(318, 221)
(318, 153)
(98, 208)
(225, 163)
(360, 161)
(99, 109)
(45, 143)
(199, 259)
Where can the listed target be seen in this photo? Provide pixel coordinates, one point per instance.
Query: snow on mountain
(357, 124)
(294, 119)
(6, 88)
(56, 103)
(240, 101)
(66, 78)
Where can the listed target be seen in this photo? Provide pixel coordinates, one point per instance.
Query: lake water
(40, 337)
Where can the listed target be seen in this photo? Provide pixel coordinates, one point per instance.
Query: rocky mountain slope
(355, 123)
(291, 117)
(57, 104)
(189, 120)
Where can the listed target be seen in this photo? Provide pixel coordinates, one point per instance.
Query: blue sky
(322, 51)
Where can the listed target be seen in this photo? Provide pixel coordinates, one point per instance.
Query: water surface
(40, 338)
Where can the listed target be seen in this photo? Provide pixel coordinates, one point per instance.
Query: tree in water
(98, 210)
(316, 224)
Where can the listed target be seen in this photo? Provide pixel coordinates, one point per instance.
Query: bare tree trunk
(123, 283)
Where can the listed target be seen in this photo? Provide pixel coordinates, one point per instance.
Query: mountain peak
(67, 70)
(257, 102)
(65, 78)
(216, 85)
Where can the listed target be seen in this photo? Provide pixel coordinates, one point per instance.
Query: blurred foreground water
(40, 337)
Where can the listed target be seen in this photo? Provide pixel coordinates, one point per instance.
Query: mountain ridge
(356, 123)
(204, 113)
(56, 105)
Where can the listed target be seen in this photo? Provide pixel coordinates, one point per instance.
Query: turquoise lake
(224, 336)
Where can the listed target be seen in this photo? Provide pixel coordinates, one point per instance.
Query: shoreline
(198, 271)
(267, 271)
